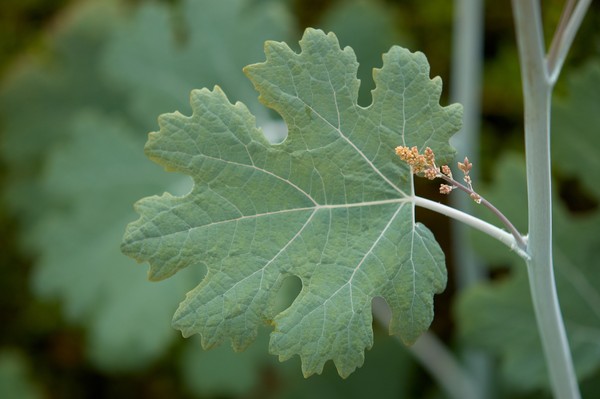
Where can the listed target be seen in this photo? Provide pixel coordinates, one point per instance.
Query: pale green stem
(465, 88)
(563, 38)
(499, 234)
(483, 202)
(537, 88)
(435, 357)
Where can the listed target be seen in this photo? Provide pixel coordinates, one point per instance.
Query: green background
(82, 84)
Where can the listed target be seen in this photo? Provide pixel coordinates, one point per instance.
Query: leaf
(88, 185)
(15, 381)
(499, 316)
(511, 202)
(208, 374)
(390, 371)
(157, 66)
(575, 121)
(370, 28)
(331, 205)
(52, 85)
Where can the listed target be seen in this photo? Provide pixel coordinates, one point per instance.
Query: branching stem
(424, 164)
(478, 224)
(539, 75)
(505, 221)
(569, 24)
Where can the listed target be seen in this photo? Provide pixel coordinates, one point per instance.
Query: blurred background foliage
(81, 84)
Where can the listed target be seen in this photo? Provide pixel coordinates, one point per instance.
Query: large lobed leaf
(331, 205)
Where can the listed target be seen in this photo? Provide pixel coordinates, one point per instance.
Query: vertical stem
(465, 89)
(467, 58)
(537, 90)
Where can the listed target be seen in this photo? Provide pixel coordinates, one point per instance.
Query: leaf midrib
(314, 209)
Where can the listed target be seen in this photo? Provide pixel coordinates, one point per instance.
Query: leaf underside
(331, 205)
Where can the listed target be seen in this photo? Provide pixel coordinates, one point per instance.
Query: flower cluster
(424, 165)
(465, 167)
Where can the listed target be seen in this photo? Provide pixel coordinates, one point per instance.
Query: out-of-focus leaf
(576, 127)
(159, 68)
(44, 90)
(370, 28)
(91, 181)
(56, 83)
(389, 372)
(499, 315)
(222, 371)
(15, 382)
(512, 203)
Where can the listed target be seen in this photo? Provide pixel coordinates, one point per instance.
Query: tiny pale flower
(429, 156)
(431, 173)
(465, 166)
(476, 197)
(445, 189)
(446, 170)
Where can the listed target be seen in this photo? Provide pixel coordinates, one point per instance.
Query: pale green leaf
(89, 185)
(512, 203)
(15, 381)
(331, 205)
(209, 373)
(217, 39)
(370, 28)
(44, 90)
(576, 127)
(389, 371)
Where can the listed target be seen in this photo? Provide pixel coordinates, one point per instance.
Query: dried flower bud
(431, 173)
(414, 153)
(402, 152)
(476, 197)
(429, 156)
(445, 189)
(465, 166)
(412, 157)
(446, 170)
